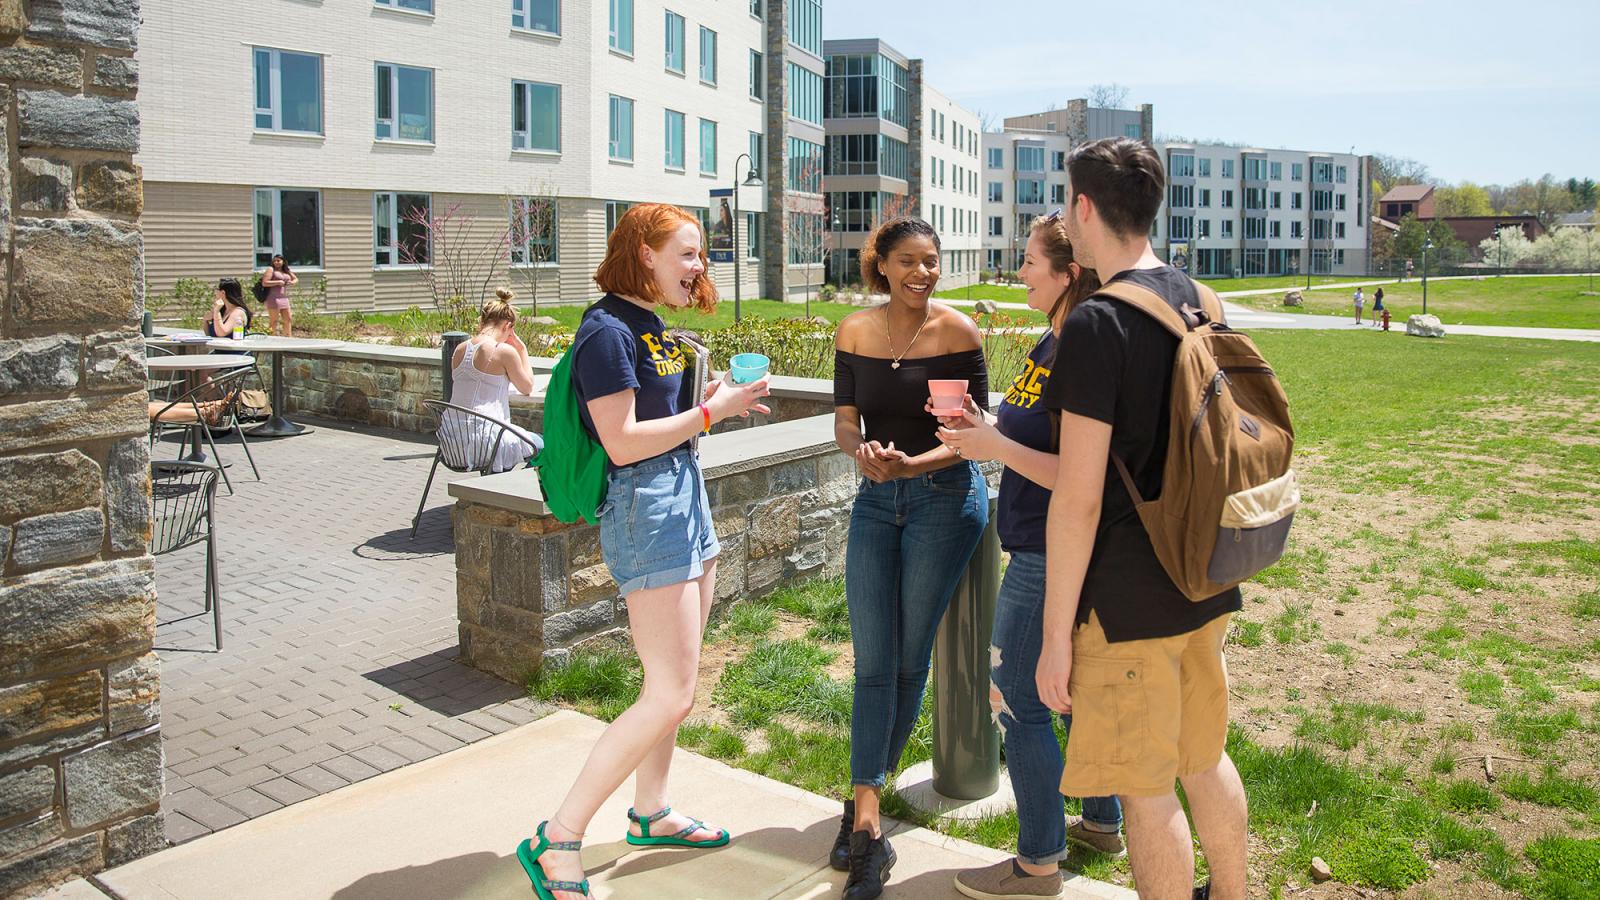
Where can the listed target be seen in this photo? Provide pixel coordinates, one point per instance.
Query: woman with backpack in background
(918, 514)
(1023, 435)
(276, 281)
(656, 533)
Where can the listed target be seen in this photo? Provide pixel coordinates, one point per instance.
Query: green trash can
(966, 743)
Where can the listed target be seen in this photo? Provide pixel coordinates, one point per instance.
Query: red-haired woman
(655, 528)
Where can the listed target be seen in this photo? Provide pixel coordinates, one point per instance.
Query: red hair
(623, 271)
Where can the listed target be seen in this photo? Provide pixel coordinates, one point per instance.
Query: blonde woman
(482, 372)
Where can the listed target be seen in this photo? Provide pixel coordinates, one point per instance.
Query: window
(1130, 130)
(1227, 168)
(805, 166)
(1202, 228)
(533, 231)
(752, 235)
(619, 142)
(992, 258)
(1058, 160)
(1343, 173)
(758, 76)
(1204, 167)
(1227, 228)
(997, 225)
(708, 147)
(805, 25)
(288, 91)
(1297, 229)
(1181, 195)
(1275, 228)
(866, 85)
(614, 211)
(1205, 198)
(404, 103)
(1255, 169)
(1277, 200)
(708, 55)
(1276, 170)
(536, 15)
(997, 158)
(1297, 200)
(1319, 229)
(1321, 201)
(675, 49)
(400, 228)
(755, 10)
(673, 140)
(621, 37)
(1297, 171)
(997, 192)
(1030, 159)
(805, 94)
(1227, 199)
(1322, 172)
(1255, 198)
(810, 231)
(1255, 229)
(536, 116)
(1030, 191)
(422, 6)
(1182, 165)
(288, 223)
(758, 151)
(1058, 193)
(1180, 228)
(1339, 201)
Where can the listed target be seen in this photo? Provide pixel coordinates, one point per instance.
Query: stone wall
(80, 756)
(530, 589)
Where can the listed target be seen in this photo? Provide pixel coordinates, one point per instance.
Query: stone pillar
(80, 756)
(1147, 122)
(775, 256)
(914, 126)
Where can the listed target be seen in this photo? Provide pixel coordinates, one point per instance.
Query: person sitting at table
(483, 370)
(228, 310)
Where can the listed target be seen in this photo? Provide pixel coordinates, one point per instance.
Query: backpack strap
(1150, 303)
(1210, 302)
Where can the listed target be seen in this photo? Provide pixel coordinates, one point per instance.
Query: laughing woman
(655, 529)
(918, 516)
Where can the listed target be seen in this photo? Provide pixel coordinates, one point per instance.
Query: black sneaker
(870, 861)
(839, 856)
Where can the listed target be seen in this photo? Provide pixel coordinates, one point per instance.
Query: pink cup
(947, 395)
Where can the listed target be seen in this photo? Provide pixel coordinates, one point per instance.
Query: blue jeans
(1033, 755)
(910, 540)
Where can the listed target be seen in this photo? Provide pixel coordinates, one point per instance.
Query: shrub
(795, 347)
(1006, 343)
(985, 276)
(828, 293)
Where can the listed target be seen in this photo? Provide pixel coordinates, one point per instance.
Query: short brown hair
(881, 242)
(499, 309)
(1125, 180)
(623, 271)
(1052, 232)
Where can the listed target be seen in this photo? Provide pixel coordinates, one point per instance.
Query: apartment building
(1233, 211)
(379, 143)
(896, 146)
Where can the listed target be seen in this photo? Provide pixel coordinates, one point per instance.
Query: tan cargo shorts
(1145, 712)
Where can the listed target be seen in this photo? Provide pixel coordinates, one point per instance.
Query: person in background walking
(1359, 300)
(1377, 306)
(1023, 436)
(918, 514)
(656, 534)
(277, 279)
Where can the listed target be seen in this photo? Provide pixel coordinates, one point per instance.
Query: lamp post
(1426, 246)
(751, 180)
(1500, 244)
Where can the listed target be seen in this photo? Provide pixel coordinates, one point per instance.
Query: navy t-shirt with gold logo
(1024, 418)
(621, 346)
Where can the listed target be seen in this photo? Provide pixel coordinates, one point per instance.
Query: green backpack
(572, 465)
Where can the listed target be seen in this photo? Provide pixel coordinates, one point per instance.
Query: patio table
(276, 425)
(192, 365)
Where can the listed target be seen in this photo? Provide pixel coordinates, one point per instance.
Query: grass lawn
(1554, 301)
(1436, 617)
(1015, 294)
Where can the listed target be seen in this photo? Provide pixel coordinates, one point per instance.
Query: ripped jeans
(1033, 755)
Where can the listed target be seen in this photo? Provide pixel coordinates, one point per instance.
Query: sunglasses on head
(1053, 215)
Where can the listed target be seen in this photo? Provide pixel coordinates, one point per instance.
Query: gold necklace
(889, 336)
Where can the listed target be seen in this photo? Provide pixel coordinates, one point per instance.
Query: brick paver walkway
(339, 632)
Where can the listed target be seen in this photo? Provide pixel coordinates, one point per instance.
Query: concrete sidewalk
(448, 827)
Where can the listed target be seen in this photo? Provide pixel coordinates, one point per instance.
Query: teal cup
(748, 367)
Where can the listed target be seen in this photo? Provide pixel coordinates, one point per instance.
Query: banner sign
(720, 240)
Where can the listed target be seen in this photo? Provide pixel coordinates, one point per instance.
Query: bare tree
(457, 265)
(805, 222)
(985, 121)
(1108, 96)
(534, 226)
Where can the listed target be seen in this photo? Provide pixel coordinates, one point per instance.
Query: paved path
(447, 828)
(339, 643)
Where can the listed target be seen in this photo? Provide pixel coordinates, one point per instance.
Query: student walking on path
(1137, 662)
(655, 529)
(1023, 436)
(918, 514)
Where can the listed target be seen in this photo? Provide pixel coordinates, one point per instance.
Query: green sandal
(529, 855)
(681, 839)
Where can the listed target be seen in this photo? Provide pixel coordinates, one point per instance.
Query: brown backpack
(1228, 494)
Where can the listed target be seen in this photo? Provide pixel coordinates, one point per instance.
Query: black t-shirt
(1119, 371)
(619, 347)
(891, 400)
(1024, 418)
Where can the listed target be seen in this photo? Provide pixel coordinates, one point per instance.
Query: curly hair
(623, 271)
(882, 241)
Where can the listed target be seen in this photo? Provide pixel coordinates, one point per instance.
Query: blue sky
(1488, 92)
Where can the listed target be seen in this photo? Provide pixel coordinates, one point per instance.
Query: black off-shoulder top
(891, 400)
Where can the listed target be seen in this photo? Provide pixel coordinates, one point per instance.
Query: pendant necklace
(895, 362)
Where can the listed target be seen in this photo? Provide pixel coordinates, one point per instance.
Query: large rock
(1424, 326)
(1294, 298)
(42, 706)
(44, 65)
(115, 360)
(26, 791)
(128, 494)
(47, 482)
(83, 615)
(134, 694)
(55, 539)
(44, 365)
(120, 73)
(114, 187)
(30, 874)
(73, 272)
(103, 23)
(45, 185)
(111, 780)
(130, 840)
(77, 122)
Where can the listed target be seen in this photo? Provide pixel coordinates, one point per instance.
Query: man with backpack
(1132, 653)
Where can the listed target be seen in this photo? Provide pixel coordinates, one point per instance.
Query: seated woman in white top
(483, 370)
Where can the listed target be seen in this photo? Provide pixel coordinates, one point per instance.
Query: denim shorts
(655, 523)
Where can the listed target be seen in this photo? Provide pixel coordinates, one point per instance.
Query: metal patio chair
(209, 404)
(470, 446)
(183, 498)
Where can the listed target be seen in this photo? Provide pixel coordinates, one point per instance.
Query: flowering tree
(1569, 249)
(805, 220)
(532, 235)
(457, 261)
